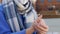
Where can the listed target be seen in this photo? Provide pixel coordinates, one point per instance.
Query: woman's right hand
(40, 25)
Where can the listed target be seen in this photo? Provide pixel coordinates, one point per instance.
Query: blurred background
(50, 9)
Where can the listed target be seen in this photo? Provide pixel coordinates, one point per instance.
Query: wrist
(38, 32)
(30, 30)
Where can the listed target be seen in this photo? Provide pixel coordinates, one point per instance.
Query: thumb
(40, 17)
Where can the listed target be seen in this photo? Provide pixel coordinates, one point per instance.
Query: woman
(16, 17)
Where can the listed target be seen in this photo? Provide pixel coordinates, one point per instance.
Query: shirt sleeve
(4, 27)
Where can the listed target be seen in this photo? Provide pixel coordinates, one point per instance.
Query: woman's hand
(40, 25)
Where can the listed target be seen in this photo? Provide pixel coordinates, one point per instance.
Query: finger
(35, 23)
(41, 28)
(37, 20)
(42, 32)
(45, 27)
(37, 29)
(40, 17)
(42, 24)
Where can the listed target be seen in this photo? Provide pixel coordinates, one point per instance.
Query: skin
(39, 26)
